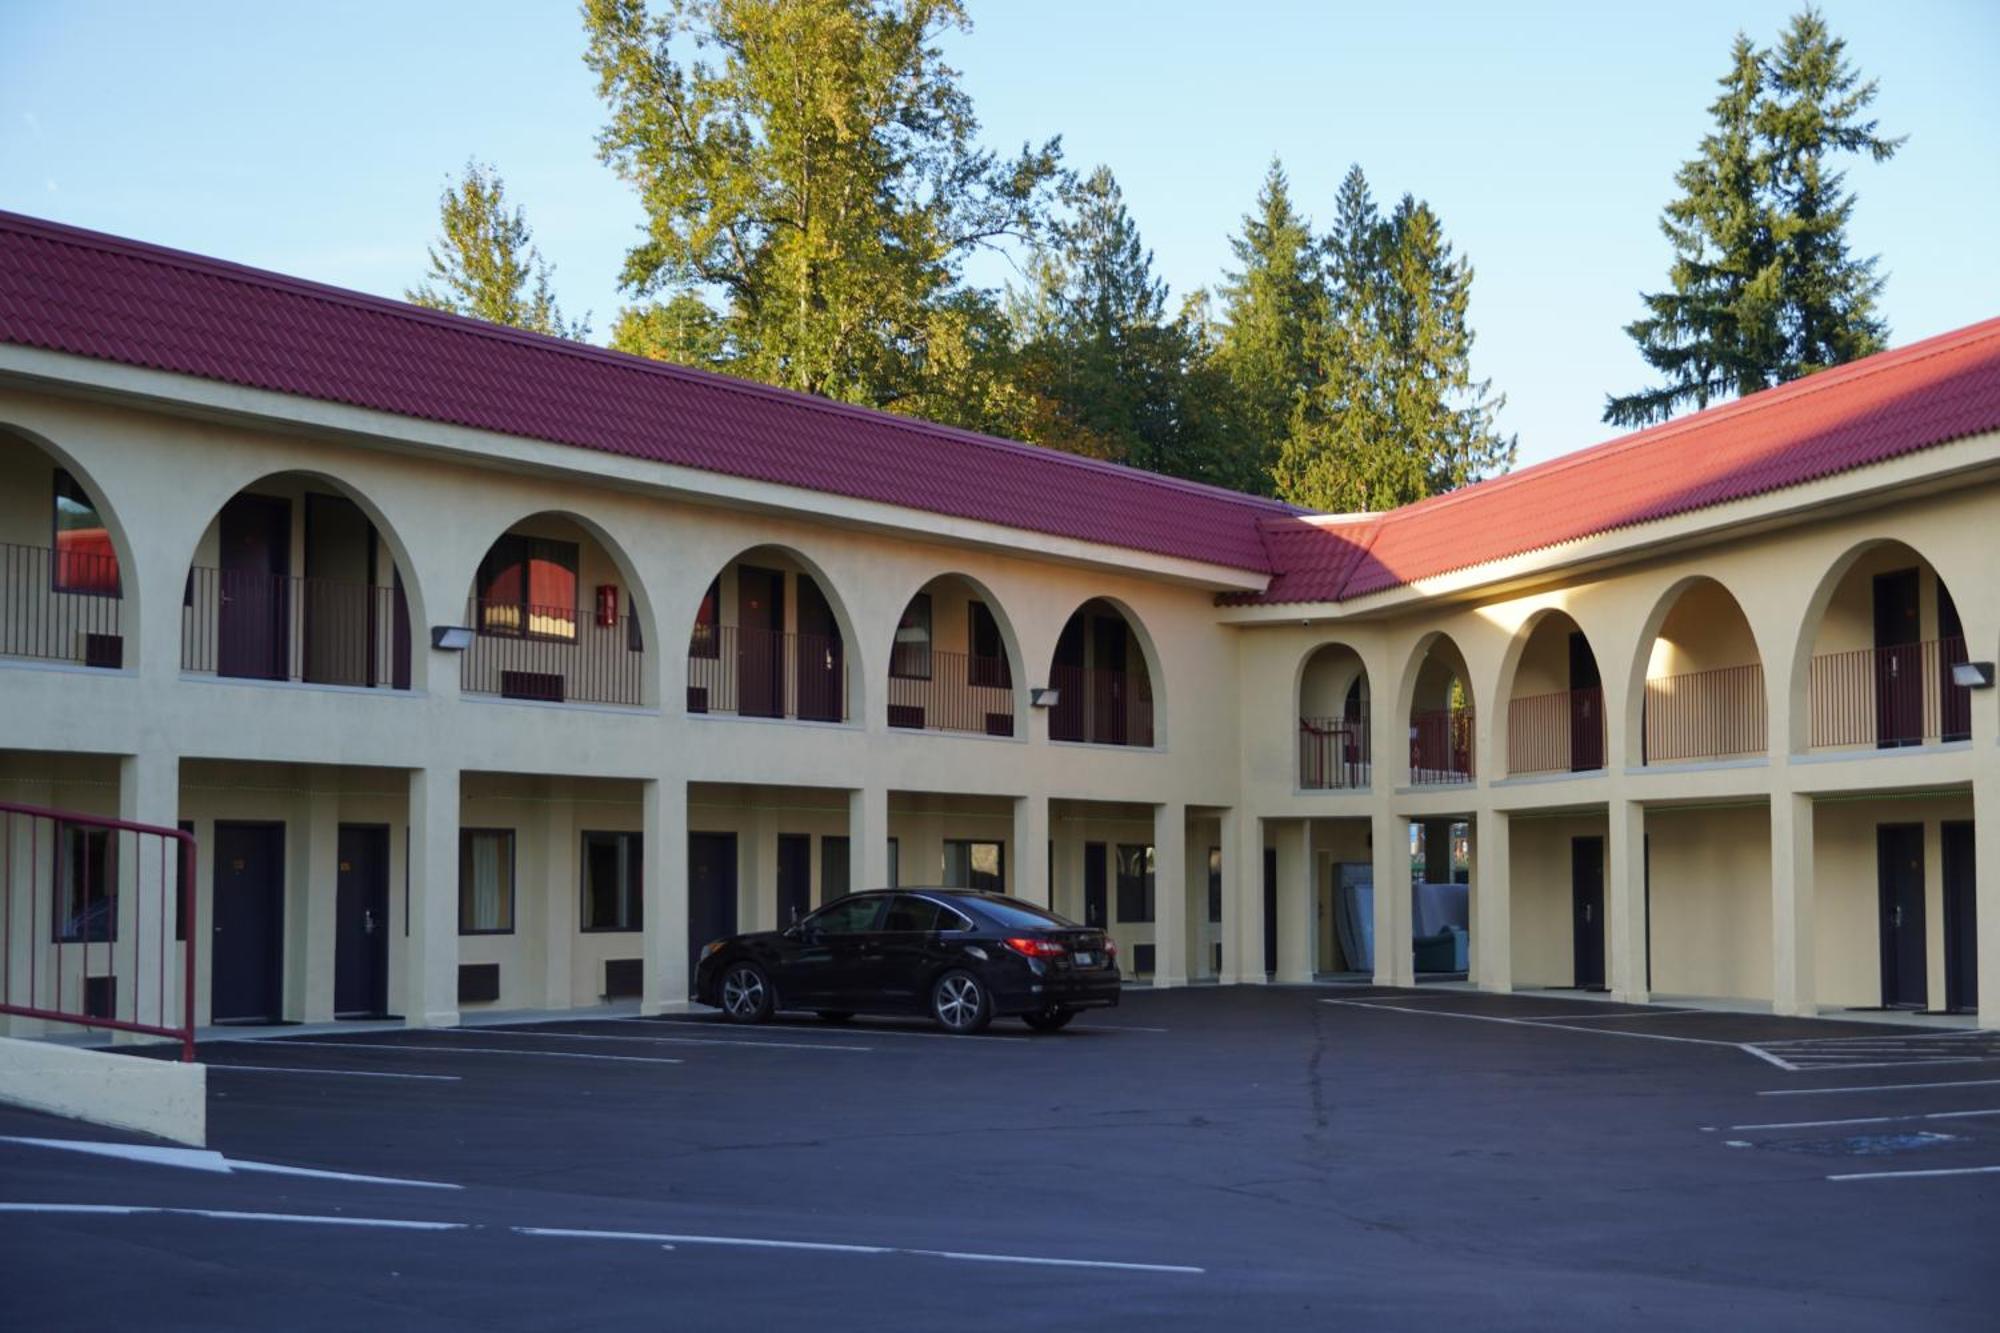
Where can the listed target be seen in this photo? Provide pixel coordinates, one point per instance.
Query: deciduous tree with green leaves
(485, 264)
(1763, 288)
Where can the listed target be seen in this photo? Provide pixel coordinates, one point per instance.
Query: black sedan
(965, 958)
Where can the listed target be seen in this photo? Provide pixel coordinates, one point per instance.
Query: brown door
(760, 642)
(256, 557)
(1586, 708)
(818, 664)
(1955, 700)
(1109, 687)
(1899, 680)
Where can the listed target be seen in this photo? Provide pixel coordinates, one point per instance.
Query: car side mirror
(794, 931)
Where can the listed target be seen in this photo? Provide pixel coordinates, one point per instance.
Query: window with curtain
(986, 653)
(705, 641)
(86, 886)
(527, 588)
(84, 560)
(1135, 883)
(612, 899)
(486, 881)
(910, 654)
(970, 864)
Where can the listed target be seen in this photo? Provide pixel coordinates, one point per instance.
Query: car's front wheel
(960, 1004)
(1052, 1019)
(747, 996)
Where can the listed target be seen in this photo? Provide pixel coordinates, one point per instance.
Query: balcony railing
(957, 692)
(1441, 747)
(1717, 714)
(279, 627)
(60, 606)
(1333, 753)
(1101, 706)
(550, 654)
(1561, 732)
(767, 673)
(1888, 697)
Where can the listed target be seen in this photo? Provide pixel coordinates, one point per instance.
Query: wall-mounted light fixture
(451, 638)
(1043, 696)
(1972, 675)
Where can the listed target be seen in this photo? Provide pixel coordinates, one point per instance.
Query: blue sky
(314, 139)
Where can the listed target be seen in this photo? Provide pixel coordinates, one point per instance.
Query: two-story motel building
(496, 672)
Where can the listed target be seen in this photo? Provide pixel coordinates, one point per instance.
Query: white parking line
(1867, 1120)
(1912, 1175)
(339, 1073)
(231, 1215)
(859, 1030)
(435, 1048)
(1534, 1023)
(1879, 1087)
(1605, 1018)
(660, 1041)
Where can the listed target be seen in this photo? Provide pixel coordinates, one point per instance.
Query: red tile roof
(1894, 403)
(92, 295)
(98, 296)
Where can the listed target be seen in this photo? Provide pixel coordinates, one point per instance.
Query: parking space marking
(1536, 1023)
(1869, 1120)
(1879, 1087)
(434, 1048)
(337, 1073)
(1912, 1175)
(211, 1162)
(663, 1041)
(231, 1215)
(800, 1030)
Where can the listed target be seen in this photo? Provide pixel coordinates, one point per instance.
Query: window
(611, 882)
(849, 916)
(706, 640)
(911, 914)
(895, 863)
(1214, 884)
(84, 559)
(86, 886)
(834, 871)
(910, 654)
(1135, 883)
(974, 865)
(986, 653)
(1014, 915)
(952, 920)
(527, 588)
(486, 881)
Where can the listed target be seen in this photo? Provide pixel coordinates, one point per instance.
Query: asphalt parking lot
(1277, 1158)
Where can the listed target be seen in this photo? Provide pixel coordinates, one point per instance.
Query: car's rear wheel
(836, 1015)
(960, 1004)
(1052, 1019)
(747, 996)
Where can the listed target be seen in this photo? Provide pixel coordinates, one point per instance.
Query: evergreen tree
(485, 263)
(1268, 306)
(1763, 288)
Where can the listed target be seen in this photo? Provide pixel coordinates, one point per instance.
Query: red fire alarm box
(607, 604)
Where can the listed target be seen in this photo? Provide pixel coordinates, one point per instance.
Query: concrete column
(1395, 956)
(149, 791)
(663, 875)
(1170, 894)
(1297, 927)
(1625, 902)
(1986, 885)
(759, 889)
(1793, 939)
(1028, 858)
(1242, 899)
(430, 977)
(562, 904)
(868, 837)
(320, 899)
(1493, 899)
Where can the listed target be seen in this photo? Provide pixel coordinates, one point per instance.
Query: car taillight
(1029, 948)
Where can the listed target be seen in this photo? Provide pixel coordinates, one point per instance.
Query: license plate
(1086, 959)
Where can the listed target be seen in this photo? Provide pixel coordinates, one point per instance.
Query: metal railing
(767, 673)
(1441, 747)
(957, 692)
(60, 606)
(1887, 697)
(1716, 714)
(1559, 732)
(1101, 706)
(551, 654)
(1333, 753)
(283, 627)
(94, 917)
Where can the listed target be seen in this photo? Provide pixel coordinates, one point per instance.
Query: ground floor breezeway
(313, 900)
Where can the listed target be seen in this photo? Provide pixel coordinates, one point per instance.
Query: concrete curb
(164, 1098)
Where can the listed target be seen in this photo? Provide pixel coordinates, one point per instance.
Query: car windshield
(1015, 914)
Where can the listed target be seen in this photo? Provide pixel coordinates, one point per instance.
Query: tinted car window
(907, 913)
(850, 916)
(1009, 912)
(950, 920)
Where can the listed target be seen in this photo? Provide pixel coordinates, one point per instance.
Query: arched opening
(556, 617)
(293, 579)
(952, 666)
(63, 584)
(1441, 715)
(1555, 700)
(1703, 695)
(1102, 679)
(769, 641)
(1877, 649)
(1333, 720)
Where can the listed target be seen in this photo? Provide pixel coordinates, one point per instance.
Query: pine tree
(1268, 305)
(1763, 289)
(485, 263)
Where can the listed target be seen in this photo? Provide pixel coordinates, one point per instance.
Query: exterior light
(1972, 675)
(451, 638)
(1043, 696)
